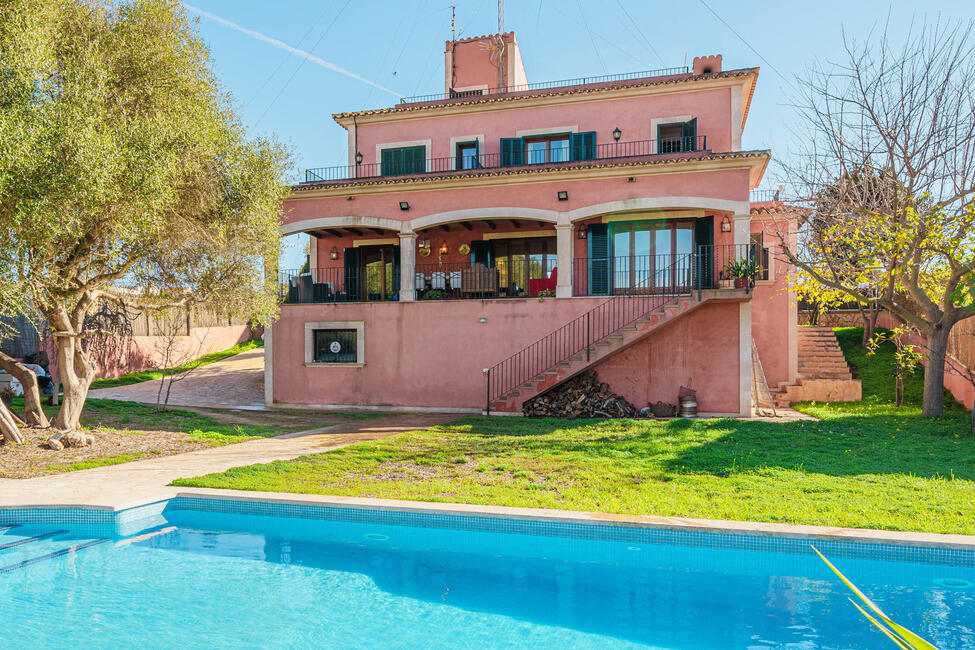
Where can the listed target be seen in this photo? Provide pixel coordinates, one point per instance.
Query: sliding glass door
(651, 256)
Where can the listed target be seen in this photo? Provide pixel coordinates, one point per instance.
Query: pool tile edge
(801, 531)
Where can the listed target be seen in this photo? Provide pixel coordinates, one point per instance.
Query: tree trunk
(77, 372)
(934, 370)
(8, 429)
(34, 414)
(869, 316)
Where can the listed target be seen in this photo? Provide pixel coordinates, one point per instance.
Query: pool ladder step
(35, 538)
(50, 556)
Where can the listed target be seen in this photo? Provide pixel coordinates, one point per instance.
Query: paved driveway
(235, 382)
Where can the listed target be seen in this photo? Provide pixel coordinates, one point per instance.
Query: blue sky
(398, 46)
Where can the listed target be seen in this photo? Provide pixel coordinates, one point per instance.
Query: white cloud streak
(287, 48)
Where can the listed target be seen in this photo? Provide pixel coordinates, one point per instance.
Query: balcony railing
(324, 285)
(765, 196)
(557, 156)
(710, 267)
(545, 85)
(506, 279)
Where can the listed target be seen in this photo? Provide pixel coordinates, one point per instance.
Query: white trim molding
(551, 130)
(660, 203)
(745, 359)
(457, 139)
(657, 121)
(428, 143)
(360, 342)
(473, 214)
(306, 225)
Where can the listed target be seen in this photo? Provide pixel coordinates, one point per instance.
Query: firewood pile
(583, 396)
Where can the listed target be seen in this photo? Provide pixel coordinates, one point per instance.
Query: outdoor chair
(479, 279)
(438, 280)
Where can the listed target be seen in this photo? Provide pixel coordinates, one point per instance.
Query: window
(547, 149)
(335, 346)
(677, 137)
(404, 160)
(334, 343)
(651, 255)
(519, 261)
(467, 155)
(760, 254)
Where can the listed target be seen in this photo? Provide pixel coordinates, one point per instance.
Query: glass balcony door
(652, 256)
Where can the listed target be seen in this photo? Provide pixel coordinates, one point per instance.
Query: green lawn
(865, 464)
(146, 375)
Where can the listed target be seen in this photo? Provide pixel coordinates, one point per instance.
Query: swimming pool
(206, 572)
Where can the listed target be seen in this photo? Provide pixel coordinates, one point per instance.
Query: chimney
(483, 62)
(707, 64)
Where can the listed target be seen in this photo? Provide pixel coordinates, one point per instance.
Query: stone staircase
(823, 374)
(606, 347)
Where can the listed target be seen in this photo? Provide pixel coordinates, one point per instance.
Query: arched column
(563, 241)
(407, 266)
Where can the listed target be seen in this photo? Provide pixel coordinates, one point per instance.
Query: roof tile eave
(548, 92)
(511, 171)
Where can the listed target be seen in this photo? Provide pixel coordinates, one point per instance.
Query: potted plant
(742, 271)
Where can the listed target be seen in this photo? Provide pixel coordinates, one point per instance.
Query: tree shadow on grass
(842, 445)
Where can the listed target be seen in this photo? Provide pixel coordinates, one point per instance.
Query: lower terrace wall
(432, 354)
(699, 351)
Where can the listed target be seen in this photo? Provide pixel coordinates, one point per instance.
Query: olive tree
(887, 164)
(125, 173)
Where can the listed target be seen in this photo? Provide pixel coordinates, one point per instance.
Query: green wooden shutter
(704, 241)
(353, 286)
(512, 150)
(481, 253)
(584, 145)
(416, 160)
(688, 132)
(598, 259)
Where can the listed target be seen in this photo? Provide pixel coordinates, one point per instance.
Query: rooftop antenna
(501, 16)
(453, 34)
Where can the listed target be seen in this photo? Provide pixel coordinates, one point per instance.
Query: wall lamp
(563, 195)
(583, 233)
(404, 205)
(443, 248)
(617, 134)
(358, 157)
(334, 253)
(726, 224)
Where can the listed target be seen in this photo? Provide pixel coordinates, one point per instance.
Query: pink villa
(484, 245)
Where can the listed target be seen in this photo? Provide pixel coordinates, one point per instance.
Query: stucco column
(743, 228)
(745, 359)
(268, 367)
(563, 249)
(313, 255)
(407, 266)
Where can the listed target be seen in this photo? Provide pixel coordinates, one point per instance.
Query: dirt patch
(34, 459)
(285, 420)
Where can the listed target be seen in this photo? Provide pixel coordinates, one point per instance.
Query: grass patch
(95, 462)
(865, 464)
(147, 375)
(134, 418)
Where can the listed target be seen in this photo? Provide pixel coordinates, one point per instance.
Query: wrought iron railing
(765, 196)
(545, 85)
(505, 279)
(339, 284)
(556, 156)
(579, 336)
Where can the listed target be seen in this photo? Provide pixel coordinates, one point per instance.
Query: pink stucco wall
(140, 353)
(726, 184)
(432, 354)
(632, 115)
(772, 305)
(700, 351)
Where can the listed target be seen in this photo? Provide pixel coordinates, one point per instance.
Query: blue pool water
(203, 573)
